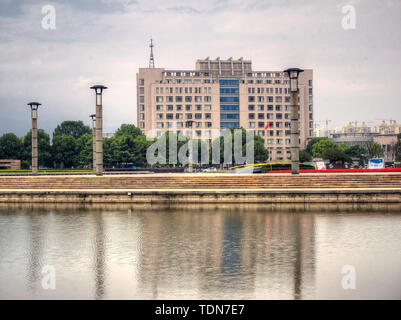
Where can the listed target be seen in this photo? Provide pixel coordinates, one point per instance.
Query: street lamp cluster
(97, 125)
(97, 128)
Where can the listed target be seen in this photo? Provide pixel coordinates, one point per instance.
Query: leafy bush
(285, 166)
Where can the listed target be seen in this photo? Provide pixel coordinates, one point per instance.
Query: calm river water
(199, 251)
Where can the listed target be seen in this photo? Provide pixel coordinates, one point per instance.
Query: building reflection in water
(246, 252)
(193, 251)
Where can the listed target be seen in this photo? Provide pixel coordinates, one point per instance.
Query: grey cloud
(356, 71)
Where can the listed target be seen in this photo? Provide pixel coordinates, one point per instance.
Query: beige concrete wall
(149, 77)
(203, 197)
(388, 143)
(10, 164)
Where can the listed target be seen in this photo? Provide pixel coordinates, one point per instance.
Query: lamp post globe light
(293, 74)
(189, 124)
(34, 115)
(99, 129)
(93, 116)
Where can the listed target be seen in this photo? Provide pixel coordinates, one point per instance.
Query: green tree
(125, 150)
(374, 150)
(356, 151)
(10, 147)
(261, 154)
(84, 151)
(304, 156)
(203, 147)
(343, 147)
(110, 152)
(64, 151)
(398, 148)
(319, 147)
(180, 140)
(141, 145)
(310, 144)
(128, 130)
(71, 128)
(334, 154)
(44, 149)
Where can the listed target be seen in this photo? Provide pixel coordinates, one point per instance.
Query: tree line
(329, 150)
(71, 147)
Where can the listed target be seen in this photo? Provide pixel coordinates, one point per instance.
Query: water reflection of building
(251, 254)
(285, 262)
(174, 252)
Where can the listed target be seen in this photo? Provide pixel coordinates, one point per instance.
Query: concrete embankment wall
(201, 188)
(231, 196)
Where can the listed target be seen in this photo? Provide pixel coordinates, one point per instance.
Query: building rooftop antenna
(152, 59)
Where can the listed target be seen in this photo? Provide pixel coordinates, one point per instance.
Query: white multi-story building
(224, 93)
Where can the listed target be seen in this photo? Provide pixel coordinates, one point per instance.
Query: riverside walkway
(204, 187)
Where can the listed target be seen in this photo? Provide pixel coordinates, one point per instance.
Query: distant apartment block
(354, 133)
(219, 94)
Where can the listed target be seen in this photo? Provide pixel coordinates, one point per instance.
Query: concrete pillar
(98, 158)
(34, 145)
(99, 137)
(94, 146)
(294, 133)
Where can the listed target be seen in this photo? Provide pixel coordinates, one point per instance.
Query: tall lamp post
(99, 129)
(34, 114)
(93, 116)
(189, 124)
(293, 74)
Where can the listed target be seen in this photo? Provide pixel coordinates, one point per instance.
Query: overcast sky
(357, 72)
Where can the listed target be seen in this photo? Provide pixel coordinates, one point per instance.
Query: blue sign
(376, 164)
